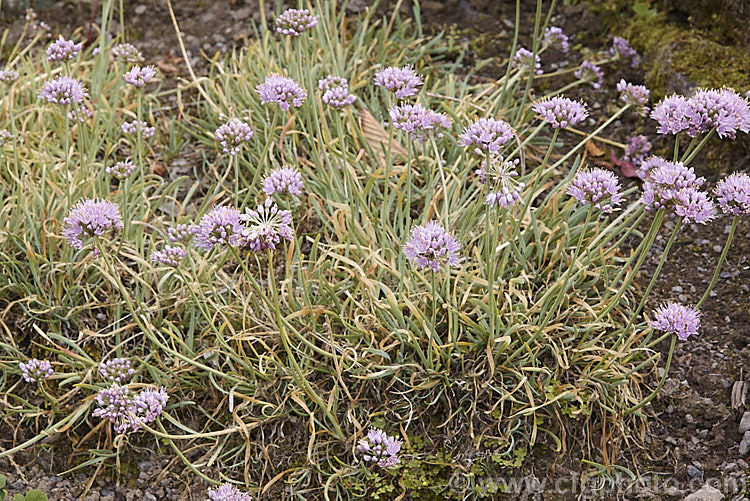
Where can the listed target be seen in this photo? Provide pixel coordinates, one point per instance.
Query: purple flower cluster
(636, 149)
(524, 60)
(672, 185)
(220, 226)
(650, 164)
(121, 170)
(232, 135)
(182, 232)
(554, 36)
(418, 121)
(283, 179)
(91, 218)
(80, 114)
(379, 448)
(35, 370)
(561, 112)
(116, 406)
(8, 76)
(132, 128)
(5, 137)
(723, 109)
(227, 492)
(430, 246)
(138, 77)
(733, 194)
(292, 22)
(487, 135)
(169, 255)
(63, 50)
(677, 319)
(622, 47)
(634, 95)
(504, 190)
(266, 226)
(281, 90)
(127, 53)
(403, 81)
(596, 186)
(63, 90)
(590, 72)
(117, 370)
(336, 92)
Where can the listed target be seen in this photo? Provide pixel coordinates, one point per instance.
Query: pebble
(140, 10)
(707, 493)
(149, 497)
(689, 418)
(745, 444)
(683, 298)
(718, 248)
(745, 422)
(694, 472)
(677, 289)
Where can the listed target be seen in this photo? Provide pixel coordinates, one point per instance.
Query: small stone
(677, 289)
(717, 248)
(694, 472)
(745, 444)
(745, 422)
(149, 497)
(707, 493)
(689, 419)
(140, 10)
(683, 298)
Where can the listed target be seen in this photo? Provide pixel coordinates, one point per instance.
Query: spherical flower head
(266, 226)
(649, 165)
(220, 226)
(590, 72)
(636, 149)
(418, 121)
(283, 179)
(379, 448)
(63, 50)
(169, 255)
(404, 82)
(664, 182)
(292, 22)
(733, 194)
(554, 37)
(487, 135)
(116, 406)
(63, 90)
(430, 246)
(138, 77)
(723, 109)
(127, 53)
(596, 186)
(117, 370)
(338, 98)
(281, 90)
(672, 114)
(622, 47)
(561, 112)
(634, 95)
(332, 82)
(525, 60)
(147, 406)
(233, 135)
(227, 492)
(504, 190)
(677, 319)
(121, 170)
(35, 370)
(91, 219)
(6, 137)
(693, 205)
(182, 232)
(132, 129)
(8, 76)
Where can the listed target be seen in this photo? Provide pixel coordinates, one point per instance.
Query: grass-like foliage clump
(381, 274)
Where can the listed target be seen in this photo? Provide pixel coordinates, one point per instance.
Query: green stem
(728, 243)
(692, 154)
(661, 383)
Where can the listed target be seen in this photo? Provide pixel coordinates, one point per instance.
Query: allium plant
(636, 150)
(561, 112)
(525, 60)
(622, 47)
(220, 226)
(115, 405)
(117, 370)
(233, 135)
(121, 170)
(266, 226)
(169, 255)
(63, 50)
(379, 448)
(8, 76)
(671, 113)
(418, 121)
(430, 246)
(292, 22)
(554, 37)
(487, 135)
(503, 189)
(403, 82)
(182, 232)
(590, 72)
(63, 90)
(649, 164)
(665, 181)
(598, 187)
(284, 179)
(723, 109)
(138, 77)
(733, 194)
(5, 137)
(283, 91)
(677, 319)
(127, 53)
(634, 95)
(80, 114)
(336, 92)
(131, 128)
(227, 492)
(35, 370)
(91, 219)
(147, 406)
